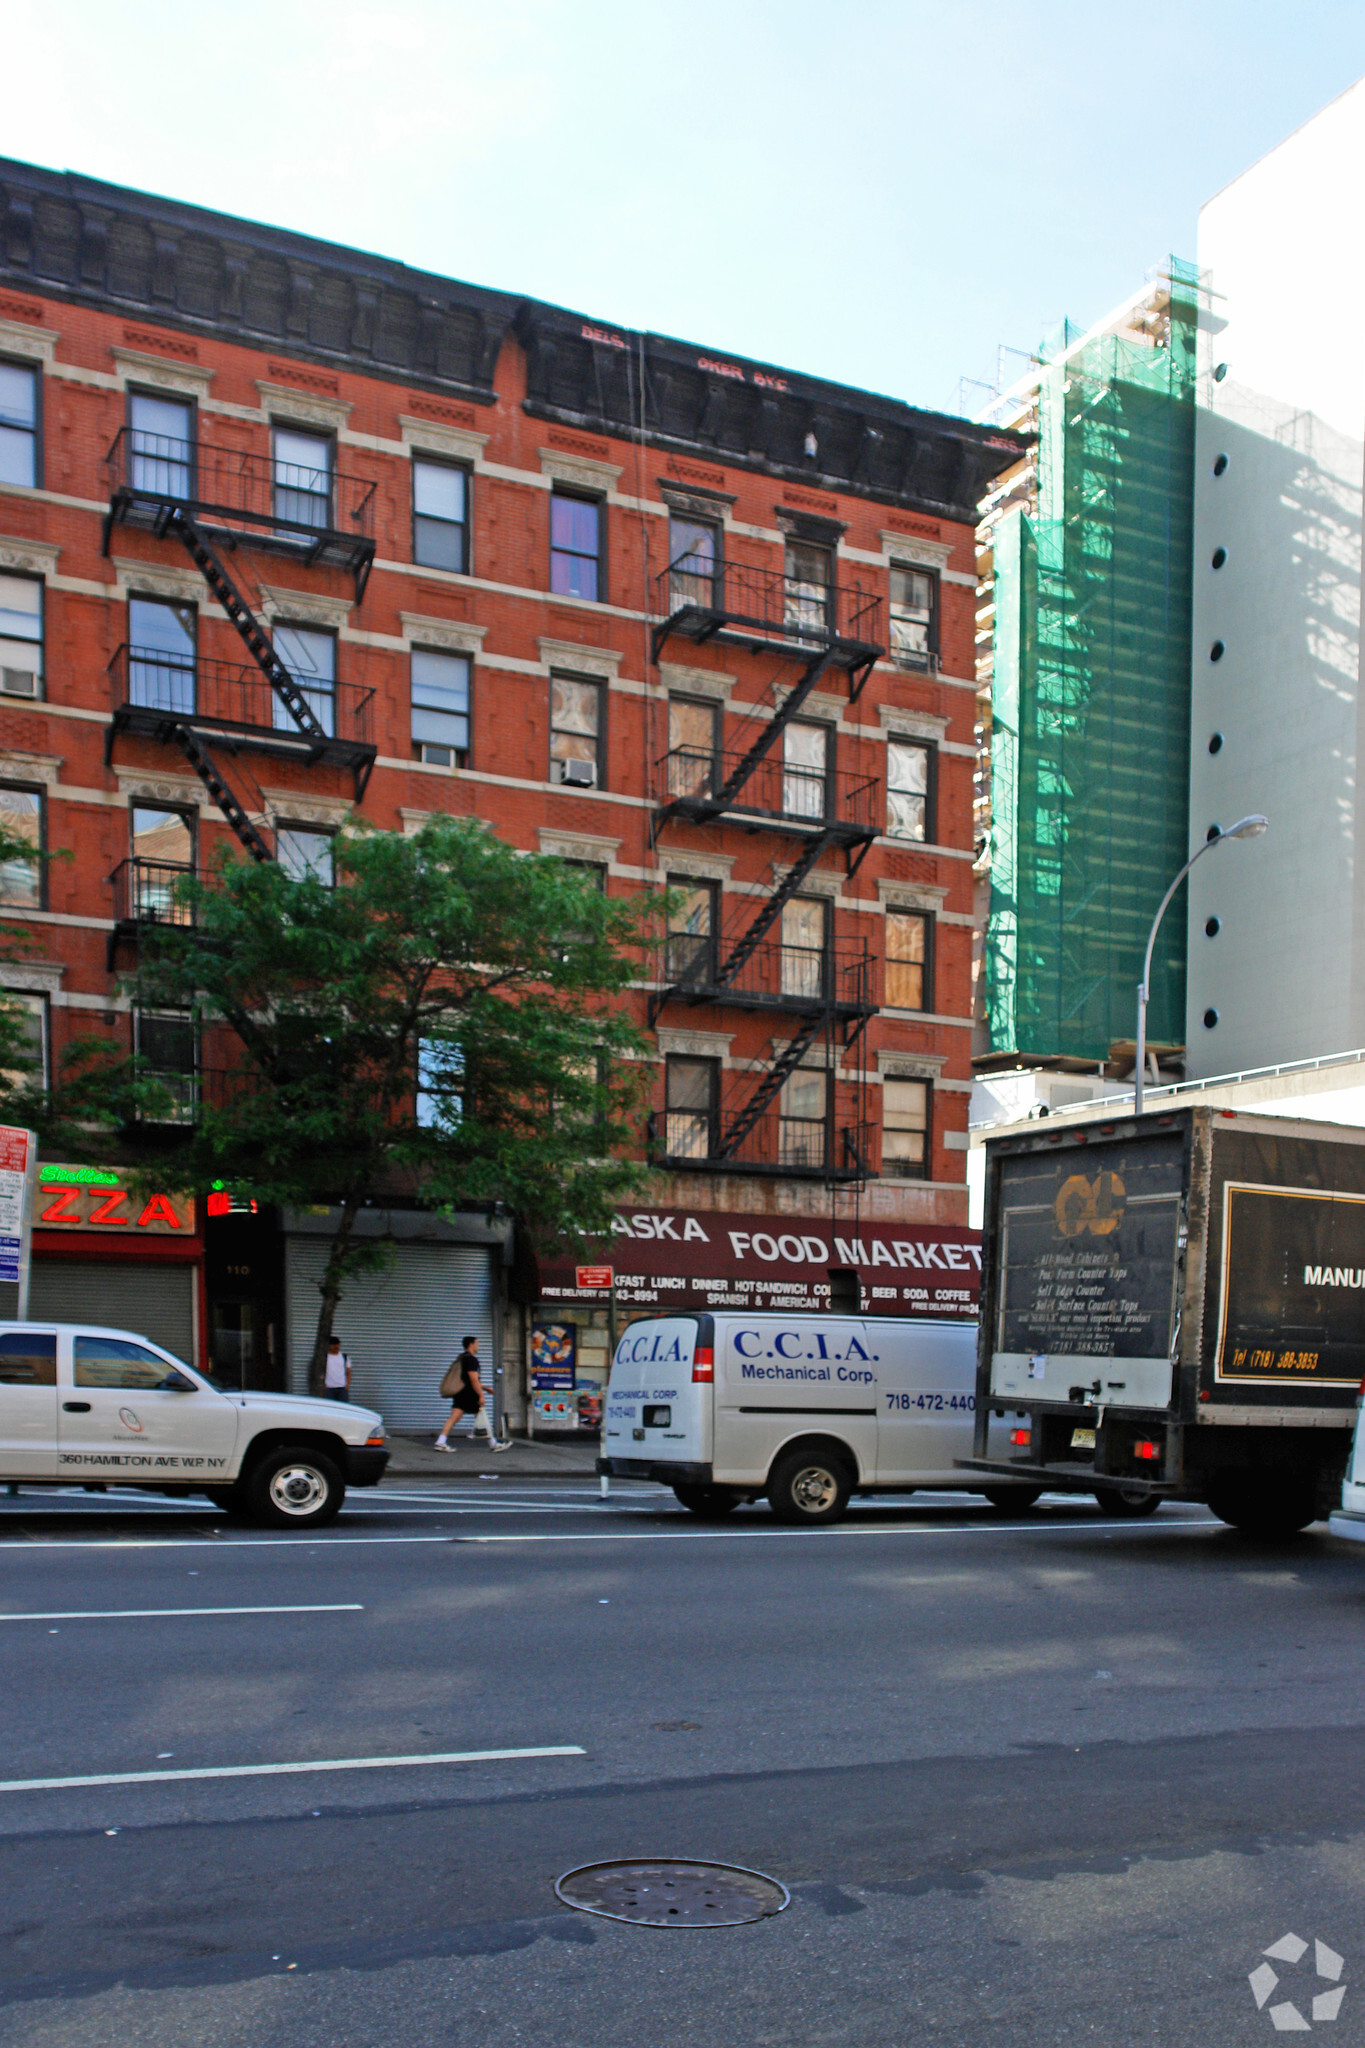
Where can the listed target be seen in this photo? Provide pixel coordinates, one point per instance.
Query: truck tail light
(1021, 1436)
(704, 1363)
(1146, 1450)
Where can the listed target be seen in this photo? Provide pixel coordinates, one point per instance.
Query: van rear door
(658, 1410)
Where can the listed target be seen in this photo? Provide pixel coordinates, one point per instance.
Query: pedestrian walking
(463, 1386)
(336, 1373)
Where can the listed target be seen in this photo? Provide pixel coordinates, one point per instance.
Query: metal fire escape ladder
(791, 1056)
(773, 908)
(773, 730)
(229, 803)
(178, 521)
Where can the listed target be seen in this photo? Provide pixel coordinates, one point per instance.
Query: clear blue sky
(878, 191)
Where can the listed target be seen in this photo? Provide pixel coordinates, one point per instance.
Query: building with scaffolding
(291, 535)
(1083, 646)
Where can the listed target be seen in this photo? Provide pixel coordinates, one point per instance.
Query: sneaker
(440, 1444)
(500, 1446)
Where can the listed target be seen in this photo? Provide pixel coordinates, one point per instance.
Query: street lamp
(1245, 828)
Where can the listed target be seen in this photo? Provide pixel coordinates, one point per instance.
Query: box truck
(1177, 1303)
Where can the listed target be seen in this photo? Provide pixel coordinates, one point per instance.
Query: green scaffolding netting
(1091, 701)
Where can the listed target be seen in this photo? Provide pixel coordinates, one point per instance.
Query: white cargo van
(803, 1408)
(1349, 1519)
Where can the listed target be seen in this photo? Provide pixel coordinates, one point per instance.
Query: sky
(888, 193)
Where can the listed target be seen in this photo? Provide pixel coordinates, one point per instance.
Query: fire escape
(824, 990)
(216, 502)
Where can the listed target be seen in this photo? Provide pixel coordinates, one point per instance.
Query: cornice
(916, 552)
(911, 896)
(582, 470)
(137, 366)
(38, 344)
(591, 846)
(308, 607)
(428, 437)
(899, 722)
(585, 661)
(309, 408)
(453, 635)
(910, 1066)
(696, 682)
(37, 557)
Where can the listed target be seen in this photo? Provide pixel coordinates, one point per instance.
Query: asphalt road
(1030, 1781)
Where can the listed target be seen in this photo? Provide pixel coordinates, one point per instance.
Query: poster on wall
(554, 1357)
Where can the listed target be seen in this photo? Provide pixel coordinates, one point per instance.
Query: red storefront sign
(90, 1198)
(701, 1259)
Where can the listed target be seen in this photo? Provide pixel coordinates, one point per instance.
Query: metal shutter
(153, 1301)
(401, 1328)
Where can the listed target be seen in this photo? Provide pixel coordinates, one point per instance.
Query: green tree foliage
(23, 1097)
(440, 1022)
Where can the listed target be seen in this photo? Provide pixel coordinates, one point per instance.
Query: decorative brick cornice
(583, 661)
(136, 366)
(35, 557)
(308, 408)
(450, 634)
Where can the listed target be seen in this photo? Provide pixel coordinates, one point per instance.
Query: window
(440, 1083)
(575, 732)
(575, 546)
(803, 947)
(117, 1362)
(163, 851)
(18, 424)
(805, 769)
(693, 558)
(692, 1086)
(908, 790)
(801, 1119)
(161, 654)
(162, 434)
(21, 816)
(914, 617)
(166, 1046)
(907, 960)
(34, 1039)
(310, 655)
(304, 853)
(28, 1358)
(440, 707)
(440, 520)
(303, 477)
(693, 746)
(691, 951)
(21, 636)
(808, 588)
(905, 1130)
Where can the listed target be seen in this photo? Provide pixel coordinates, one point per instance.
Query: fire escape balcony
(832, 982)
(314, 515)
(767, 610)
(155, 695)
(701, 786)
(829, 1148)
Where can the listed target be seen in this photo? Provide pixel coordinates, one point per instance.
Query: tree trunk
(331, 1290)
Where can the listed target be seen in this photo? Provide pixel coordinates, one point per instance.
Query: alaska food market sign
(701, 1259)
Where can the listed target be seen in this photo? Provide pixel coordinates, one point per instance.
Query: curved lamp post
(1245, 828)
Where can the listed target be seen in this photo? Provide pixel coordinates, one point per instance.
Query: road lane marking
(345, 1763)
(317, 1543)
(159, 1613)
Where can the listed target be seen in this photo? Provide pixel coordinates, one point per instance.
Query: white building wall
(1281, 251)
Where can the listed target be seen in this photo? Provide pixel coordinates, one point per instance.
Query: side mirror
(176, 1383)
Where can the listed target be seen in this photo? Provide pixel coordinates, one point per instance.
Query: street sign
(593, 1276)
(18, 1166)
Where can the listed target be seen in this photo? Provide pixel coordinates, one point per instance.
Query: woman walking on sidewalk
(463, 1386)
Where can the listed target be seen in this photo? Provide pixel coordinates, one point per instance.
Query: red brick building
(288, 532)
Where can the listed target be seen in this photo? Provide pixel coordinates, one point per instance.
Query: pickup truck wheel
(1126, 1501)
(294, 1487)
(1260, 1507)
(712, 1503)
(1014, 1500)
(809, 1488)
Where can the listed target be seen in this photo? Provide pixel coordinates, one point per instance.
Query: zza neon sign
(93, 1198)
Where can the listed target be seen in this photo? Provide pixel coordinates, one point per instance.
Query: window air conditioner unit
(18, 682)
(583, 774)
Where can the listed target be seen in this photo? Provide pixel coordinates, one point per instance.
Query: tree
(23, 1098)
(440, 1020)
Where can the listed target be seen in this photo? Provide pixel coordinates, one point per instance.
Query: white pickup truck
(81, 1405)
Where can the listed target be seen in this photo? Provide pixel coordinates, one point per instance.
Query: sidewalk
(412, 1457)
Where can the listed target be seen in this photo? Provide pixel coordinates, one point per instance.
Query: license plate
(1082, 1439)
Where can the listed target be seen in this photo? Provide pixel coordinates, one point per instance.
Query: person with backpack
(462, 1386)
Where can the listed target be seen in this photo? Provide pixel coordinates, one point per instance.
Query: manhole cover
(672, 1894)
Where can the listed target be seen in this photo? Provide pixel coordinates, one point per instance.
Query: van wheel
(294, 1488)
(1126, 1501)
(712, 1503)
(1014, 1500)
(809, 1488)
(1259, 1507)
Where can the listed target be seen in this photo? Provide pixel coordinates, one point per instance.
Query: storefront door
(115, 1416)
(28, 1404)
